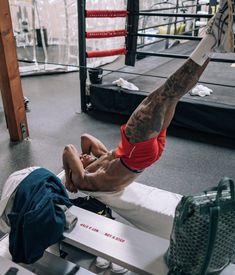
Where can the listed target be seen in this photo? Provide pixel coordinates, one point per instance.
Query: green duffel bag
(203, 235)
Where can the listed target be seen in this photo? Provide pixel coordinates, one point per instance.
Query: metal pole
(81, 5)
(132, 29)
(176, 18)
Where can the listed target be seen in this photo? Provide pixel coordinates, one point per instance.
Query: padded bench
(148, 208)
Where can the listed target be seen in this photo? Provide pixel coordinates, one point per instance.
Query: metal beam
(190, 15)
(132, 29)
(81, 6)
(10, 82)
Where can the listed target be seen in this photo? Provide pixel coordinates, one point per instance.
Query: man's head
(87, 159)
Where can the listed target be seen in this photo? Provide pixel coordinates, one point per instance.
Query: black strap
(213, 226)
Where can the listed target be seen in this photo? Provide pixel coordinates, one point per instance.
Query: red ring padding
(106, 34)
(119, 51)
(106, 13)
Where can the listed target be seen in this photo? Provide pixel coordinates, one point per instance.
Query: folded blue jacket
(36, 219)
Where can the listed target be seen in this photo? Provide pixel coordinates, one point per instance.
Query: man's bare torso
(108, 173)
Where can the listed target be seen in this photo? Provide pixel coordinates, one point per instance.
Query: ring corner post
(132, 31)
(81, 5)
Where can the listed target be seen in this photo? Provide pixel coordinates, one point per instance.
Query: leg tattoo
(157, 110)
(149, 117)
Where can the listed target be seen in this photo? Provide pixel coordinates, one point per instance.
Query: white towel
(125, 84)
(201, 91)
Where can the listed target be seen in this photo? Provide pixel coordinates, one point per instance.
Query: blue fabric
(36, 220)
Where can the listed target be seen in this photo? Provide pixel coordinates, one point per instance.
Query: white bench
(132, 248)
(148, 208)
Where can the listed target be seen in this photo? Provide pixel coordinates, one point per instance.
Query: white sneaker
(221, 27)
(118, 269)
(102, 263)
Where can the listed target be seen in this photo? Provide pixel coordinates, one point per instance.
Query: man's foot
(221, 27)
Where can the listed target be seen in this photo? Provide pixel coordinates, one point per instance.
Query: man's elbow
(66, 151)
(69, 148)
(86, 143)
(85, 136)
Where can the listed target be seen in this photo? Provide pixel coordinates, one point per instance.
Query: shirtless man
(143, 136)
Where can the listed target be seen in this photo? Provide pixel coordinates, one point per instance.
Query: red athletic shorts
(137, 156)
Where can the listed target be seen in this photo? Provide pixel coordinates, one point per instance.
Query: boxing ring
(154, 41)
(214, 114)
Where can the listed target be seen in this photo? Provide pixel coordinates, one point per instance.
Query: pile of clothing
(34, 210)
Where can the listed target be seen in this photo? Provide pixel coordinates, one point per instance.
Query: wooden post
(10, 82)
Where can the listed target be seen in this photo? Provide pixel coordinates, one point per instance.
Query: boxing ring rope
(170, 36)
(141, 74)
(119, 51)
(172, 8)
(105, 13)
(106, 34)
(189, 15)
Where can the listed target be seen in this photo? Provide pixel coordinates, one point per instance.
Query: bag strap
(222, 185)
(213, 226)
